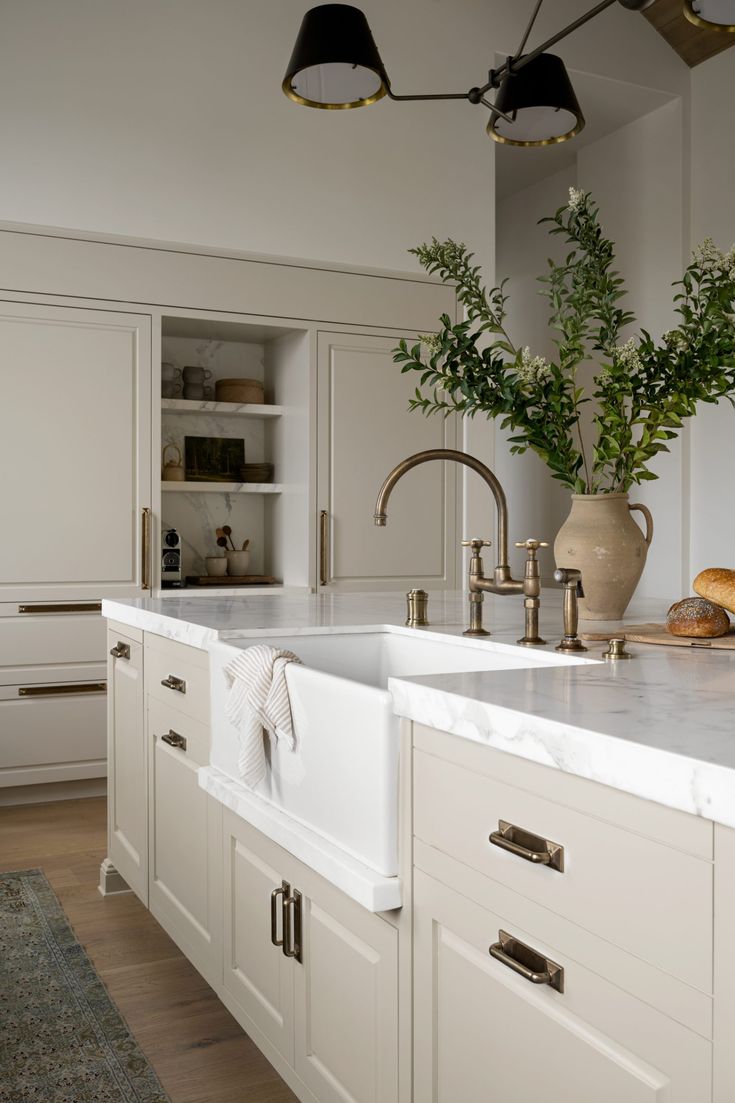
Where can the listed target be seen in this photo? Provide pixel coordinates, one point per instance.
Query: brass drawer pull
(292, 927)
(145, 549)
(324, 548)
(283, 891)
(121, 650)
(174, 740)
(62, 607)
(172, 682)
(525, 961)
(62, 691)
(530, 847)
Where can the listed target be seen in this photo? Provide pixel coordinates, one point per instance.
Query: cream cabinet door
(75, 451)
(364, 429)
(127, 793)
(185, 839)
(257, 976)
(346, 990)
(484, 1032)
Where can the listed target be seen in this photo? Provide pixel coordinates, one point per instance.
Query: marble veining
(660, 726)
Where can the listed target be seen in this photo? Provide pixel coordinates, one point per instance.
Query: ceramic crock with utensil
(237, 562)
(173, 469)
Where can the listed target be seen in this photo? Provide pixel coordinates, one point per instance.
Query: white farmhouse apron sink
(342, 778)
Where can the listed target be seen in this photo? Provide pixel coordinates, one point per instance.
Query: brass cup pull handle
(121, 650)
(292, 925)
(530, 847)
(277, 894)
(173, 739)
(172, 682)
(527, 962)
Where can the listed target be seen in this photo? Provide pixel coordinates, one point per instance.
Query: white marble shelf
(168, 486)
(220, 409)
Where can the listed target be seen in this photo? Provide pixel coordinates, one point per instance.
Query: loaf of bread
(717, 584)
(694, 616)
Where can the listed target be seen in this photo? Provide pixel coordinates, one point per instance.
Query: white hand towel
(257, 700)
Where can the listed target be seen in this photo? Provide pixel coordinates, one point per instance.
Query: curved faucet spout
(502, 570)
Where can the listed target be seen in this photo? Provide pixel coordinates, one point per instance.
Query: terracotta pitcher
(601, 539)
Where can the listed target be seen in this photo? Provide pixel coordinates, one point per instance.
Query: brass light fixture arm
(515, 63)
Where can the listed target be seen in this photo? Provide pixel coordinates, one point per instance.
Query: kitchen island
(565, 862)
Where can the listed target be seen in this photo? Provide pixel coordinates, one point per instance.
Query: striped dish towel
(258, 700)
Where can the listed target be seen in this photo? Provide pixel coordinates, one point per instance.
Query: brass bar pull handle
(277, 894)
(63, 607)
(145, 550)
(62, 691)
(121, 650)
(324, 548)
(292, 925)
(526, 845)
(172, 682)
(527, 962)
(173, 739)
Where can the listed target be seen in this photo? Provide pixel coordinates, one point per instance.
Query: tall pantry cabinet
(84, 326)
(75, 427)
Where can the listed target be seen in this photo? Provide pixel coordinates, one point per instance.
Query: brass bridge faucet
(502, 581)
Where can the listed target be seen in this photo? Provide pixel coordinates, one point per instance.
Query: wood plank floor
(199, 1052)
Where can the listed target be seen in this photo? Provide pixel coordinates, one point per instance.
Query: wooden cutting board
(232, 580)
(657, 633)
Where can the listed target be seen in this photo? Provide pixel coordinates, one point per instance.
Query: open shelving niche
(273, 516)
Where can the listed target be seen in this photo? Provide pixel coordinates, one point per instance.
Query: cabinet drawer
(165, 723)
(483, 1029)
(185, 672)
(637, 893)
(37, 639)
(58, 735)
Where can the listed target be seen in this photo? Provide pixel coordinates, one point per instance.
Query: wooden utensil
(228, 533)
(246, 545)
(221, 541)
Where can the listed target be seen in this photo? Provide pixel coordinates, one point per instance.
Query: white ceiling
(606, 105)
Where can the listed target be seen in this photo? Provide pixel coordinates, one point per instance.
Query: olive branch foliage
(642, 390)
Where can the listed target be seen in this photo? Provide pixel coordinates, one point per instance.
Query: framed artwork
(214, 459)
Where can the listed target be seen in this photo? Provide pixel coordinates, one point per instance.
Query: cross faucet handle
(476, 544)
(531, 546)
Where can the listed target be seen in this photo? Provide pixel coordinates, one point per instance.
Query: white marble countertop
(660, 726)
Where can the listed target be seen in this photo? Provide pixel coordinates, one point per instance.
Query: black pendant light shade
(714, 15)
(541, 101)
(335, 62)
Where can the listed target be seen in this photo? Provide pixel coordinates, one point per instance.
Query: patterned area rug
(62, 1039)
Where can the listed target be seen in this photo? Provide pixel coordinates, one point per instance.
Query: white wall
(636, 175)
(712, 528)
(538, 503)
(165, 119)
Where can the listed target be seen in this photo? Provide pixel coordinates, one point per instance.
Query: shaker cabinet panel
(346, 999)
(365, 428)
(185, 838)
(127, 795)
(257, 976)
(75, 439)
(484, 1031)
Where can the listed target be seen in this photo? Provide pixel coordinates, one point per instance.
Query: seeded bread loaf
(694, 616)
(717, 584)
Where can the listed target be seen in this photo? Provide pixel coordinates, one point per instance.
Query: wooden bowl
(239, 390)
